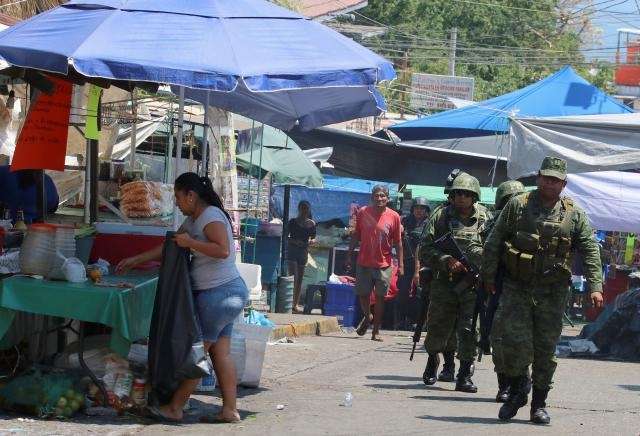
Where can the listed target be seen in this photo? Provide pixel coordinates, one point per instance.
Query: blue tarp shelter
(562, 93)
(332, 201)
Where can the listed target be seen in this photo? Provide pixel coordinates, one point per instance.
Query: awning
(587, 143)
(366, 157)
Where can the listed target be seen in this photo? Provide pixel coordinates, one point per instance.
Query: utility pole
(453, 43)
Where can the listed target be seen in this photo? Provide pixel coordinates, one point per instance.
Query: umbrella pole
(93, 179)
(87, 184)
(204, 163)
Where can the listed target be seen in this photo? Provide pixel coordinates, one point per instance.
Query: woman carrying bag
(219, 292)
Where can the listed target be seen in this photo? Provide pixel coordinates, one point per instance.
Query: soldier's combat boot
(503, 388)
(449, 368)
(539, 414)
(517, 398)
(431, 370)
(463, 381)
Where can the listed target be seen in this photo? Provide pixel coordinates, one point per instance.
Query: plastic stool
(309, 298)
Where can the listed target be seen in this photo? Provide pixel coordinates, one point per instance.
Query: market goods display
(43, 391)
(146, 199)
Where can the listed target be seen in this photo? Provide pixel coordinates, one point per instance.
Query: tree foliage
(503, 48)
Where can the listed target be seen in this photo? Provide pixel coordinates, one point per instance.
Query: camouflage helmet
(466, 182)
(450, 178)
(506, 190)
(420, 201)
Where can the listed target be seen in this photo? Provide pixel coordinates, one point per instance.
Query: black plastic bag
(176, 350)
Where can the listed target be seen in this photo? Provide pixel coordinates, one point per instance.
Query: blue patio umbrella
(253, 57)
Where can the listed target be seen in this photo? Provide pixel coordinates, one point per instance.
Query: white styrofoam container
(251, 274)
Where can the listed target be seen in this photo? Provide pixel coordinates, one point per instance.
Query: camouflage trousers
(451, 314)
(452, 342)
(526, 330)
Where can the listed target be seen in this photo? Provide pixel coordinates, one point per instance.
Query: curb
(312, 328)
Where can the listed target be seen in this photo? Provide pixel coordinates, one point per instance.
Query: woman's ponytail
(203, 187)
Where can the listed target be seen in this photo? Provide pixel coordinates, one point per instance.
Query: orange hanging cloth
(42, 143)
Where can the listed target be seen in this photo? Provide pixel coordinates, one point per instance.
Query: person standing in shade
(378, 230)
(537, 235)
(412, 228)
(302, 230)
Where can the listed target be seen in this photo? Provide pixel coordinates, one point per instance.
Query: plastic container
(65, 240)
(271, 229)
(255, 338)
(249, 226)
(251, 274)
(338, 294)
(347, 315)
(38, 249)
(284, 297)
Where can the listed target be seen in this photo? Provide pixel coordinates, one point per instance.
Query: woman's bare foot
(228, 416)
(170, 413)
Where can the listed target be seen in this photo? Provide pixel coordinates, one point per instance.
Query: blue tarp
(333, 201)
(256, 58)
(562, 93)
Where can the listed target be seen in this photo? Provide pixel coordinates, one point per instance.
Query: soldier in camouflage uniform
(448, 373)
(451, 308)
(504, 193)
(536, 236)
(412, 229)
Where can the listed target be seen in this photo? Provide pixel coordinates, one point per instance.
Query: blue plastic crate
(338, 294)
(347, 315)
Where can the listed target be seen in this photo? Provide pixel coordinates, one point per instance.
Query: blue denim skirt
(217, 308)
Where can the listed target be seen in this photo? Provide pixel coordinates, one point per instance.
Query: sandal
(363, 326)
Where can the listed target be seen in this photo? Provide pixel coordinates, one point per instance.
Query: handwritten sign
(42, 143)
(91, 130)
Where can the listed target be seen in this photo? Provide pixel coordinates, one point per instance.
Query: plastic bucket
(284, 297)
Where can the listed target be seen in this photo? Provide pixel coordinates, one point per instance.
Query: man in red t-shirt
(378, 230)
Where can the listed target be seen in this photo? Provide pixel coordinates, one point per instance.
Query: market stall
(68, 42)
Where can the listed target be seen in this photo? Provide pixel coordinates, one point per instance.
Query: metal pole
(205, 141)
(94, 179)
(87, 183)
(178, 169)
(134, 133)
(453, 43)
(285, 230)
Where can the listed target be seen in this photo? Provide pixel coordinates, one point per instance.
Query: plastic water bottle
(348, 399)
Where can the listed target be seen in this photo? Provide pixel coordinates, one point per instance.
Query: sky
(610, 23)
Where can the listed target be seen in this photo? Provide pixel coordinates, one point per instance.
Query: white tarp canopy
(611, 199)
(588, 143)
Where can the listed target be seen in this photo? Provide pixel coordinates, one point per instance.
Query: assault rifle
(423, 307)
(448, 245)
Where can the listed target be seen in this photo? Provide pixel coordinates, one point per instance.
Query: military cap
(554, 167)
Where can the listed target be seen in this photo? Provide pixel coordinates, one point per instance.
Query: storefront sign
(430, 91)
(42, 143)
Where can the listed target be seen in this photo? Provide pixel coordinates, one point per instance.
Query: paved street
(311, 376)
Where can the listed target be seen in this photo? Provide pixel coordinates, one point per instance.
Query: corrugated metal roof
(326, 8)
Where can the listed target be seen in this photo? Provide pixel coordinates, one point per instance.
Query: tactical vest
(465, 236)
(540, 250)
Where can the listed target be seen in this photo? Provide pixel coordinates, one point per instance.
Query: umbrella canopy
(281, 157)
(249, 48)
